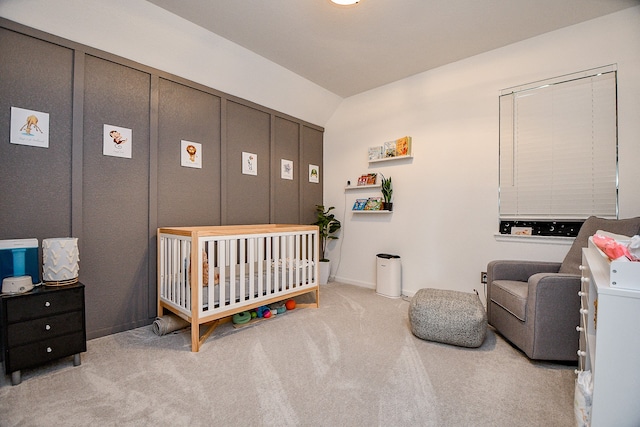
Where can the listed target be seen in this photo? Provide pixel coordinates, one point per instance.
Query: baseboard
(367, 285)
(353, 282)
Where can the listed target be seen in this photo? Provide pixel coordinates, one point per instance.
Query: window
(558, 149)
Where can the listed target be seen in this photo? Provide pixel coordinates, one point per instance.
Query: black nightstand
(44, 324)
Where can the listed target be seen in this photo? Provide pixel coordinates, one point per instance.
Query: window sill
(547, 240)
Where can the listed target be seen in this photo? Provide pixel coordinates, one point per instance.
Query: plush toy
(262, 311)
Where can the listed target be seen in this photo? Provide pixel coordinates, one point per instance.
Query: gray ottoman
(449, 317)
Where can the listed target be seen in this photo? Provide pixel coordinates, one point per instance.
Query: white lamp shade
(60, 260)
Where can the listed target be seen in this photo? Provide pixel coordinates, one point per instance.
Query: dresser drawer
(22, 308)
(44, 328)
(34, 354)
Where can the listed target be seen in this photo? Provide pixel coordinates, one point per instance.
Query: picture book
(390, 149)
(359, 204)
(403, 146)
(367, 179)
(373, 204)
(375, 153)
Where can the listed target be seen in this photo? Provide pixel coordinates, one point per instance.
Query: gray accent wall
(114, 205)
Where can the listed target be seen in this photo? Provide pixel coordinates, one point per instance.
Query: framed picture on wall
(286, 169)
(29, 127)
(314, 173)
(116, 141)
(249, 163)
(190, 154)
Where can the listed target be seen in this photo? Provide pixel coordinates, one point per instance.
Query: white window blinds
(558, 149)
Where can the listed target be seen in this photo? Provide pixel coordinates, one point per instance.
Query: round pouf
(449, 317)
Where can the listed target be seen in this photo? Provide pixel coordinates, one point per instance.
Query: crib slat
(222, 272)
(252, 267)
(269, 265)
(261, 265)
(242, 277)
(232, 271)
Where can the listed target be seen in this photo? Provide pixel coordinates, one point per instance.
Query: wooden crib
(207, 274)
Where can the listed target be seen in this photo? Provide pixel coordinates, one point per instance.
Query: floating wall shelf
(390, 159)
(362, 187)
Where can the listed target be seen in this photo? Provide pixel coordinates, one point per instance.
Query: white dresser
(610, 342)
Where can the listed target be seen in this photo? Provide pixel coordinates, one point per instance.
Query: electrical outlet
(483, 277)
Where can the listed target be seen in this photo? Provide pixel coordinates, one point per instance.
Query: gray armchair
(535, 305)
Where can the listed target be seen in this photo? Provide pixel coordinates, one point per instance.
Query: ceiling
(351, 49)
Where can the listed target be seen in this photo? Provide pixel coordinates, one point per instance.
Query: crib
(208, 274)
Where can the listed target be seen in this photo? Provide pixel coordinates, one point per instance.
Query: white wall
(445, 199)
(142, 32)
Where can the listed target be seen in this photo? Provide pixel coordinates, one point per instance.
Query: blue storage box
(19, 257)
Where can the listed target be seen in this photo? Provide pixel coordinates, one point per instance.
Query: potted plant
(387, 192)
(327, 225)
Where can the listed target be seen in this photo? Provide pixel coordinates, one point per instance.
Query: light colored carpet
(352, 362)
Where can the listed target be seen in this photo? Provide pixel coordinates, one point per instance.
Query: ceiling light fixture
(345, 2)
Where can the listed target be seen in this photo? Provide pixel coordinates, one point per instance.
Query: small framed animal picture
(29, 127)
(286, 169)
(117, 141)
(249, 163)
(314, 173)
(190, 154)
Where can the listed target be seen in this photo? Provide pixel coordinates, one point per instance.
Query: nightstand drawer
(44, 328)
(45, 304)
(34, 354)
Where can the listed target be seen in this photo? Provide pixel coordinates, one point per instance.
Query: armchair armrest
(518, 270)
(515, 270)
(553, 308)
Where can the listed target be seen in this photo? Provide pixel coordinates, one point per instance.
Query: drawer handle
(582, 353)
(49, 349)
(579, 328)
(584, 311)
(47, 327)
(582, 294)
(581, 267)
(584, 279)
(47, 304)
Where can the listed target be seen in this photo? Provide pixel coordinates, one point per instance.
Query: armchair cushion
(512, 296)
(573, 259)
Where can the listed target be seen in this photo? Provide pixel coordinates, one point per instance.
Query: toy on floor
(262, 311)
(241, 318)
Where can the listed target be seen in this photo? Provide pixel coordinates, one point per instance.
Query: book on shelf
(403, 146)
(368, 179)
(389, 149)
(359, 204)
(375, 153)
(373, 204)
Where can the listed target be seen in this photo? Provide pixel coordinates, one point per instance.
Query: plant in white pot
(387, 193)
(328, 225)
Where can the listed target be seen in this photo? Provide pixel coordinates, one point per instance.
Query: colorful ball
(290, 304)
(266, 314)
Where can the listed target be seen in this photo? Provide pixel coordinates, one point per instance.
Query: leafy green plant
(328, 225)
(387, 189)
